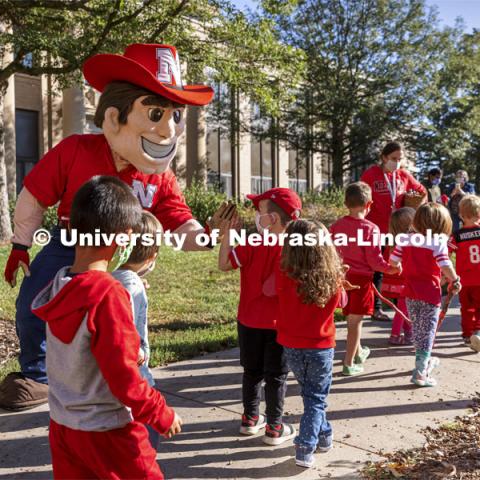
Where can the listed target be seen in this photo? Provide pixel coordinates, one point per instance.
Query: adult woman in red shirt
(389, 183)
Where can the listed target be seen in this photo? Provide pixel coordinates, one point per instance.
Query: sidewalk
(376, 412)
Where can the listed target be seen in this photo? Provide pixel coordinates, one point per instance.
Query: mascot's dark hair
(122, 95)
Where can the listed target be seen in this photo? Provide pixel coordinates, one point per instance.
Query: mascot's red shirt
(76, 159)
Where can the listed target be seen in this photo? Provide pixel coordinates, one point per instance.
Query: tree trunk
(477, 173)
(5, 224)
(337, 158)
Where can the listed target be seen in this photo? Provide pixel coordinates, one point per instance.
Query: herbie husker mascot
(142, 114)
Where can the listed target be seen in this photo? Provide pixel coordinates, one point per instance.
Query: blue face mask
(436, 181)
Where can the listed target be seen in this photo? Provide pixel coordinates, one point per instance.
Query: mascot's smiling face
(148, 138)
(137, 109)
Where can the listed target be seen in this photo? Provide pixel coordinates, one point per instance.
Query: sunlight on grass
(192, 305)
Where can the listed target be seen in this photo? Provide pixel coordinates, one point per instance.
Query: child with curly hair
(309, 287)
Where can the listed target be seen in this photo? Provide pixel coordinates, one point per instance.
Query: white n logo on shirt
(144, 195)
(168, 67)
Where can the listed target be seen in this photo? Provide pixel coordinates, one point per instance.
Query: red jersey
(362, 259)
(385, 187)
(421, 269)
(302, 325)
(466, 244)
(257, 265)
(76, 159)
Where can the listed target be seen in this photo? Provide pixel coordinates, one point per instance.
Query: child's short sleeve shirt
(257, 265)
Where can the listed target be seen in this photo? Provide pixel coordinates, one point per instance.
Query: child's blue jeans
(313, 370)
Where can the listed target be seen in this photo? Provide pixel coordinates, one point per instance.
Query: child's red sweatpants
(470, 309)
(123, 453)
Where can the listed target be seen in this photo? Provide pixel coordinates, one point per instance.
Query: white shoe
(475, 342)
(251, 426)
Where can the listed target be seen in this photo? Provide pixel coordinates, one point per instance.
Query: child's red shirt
(302, 325)
(421, 269)
(257, 265)
(362, 259)
(466, 244)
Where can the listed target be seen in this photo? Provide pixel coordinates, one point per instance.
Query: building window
(27, 143)
(261, 151)
(297, 172)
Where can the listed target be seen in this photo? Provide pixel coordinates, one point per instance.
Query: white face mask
(260, 228)
(392, 165)
(146, 270)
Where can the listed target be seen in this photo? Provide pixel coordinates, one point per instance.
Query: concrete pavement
(371, 414)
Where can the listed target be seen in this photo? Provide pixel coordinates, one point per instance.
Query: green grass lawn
(192, 306)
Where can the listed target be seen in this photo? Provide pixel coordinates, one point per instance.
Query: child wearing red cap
(363, 261)
(261, 357)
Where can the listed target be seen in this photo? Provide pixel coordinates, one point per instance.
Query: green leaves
(243, 51)
(370, 65)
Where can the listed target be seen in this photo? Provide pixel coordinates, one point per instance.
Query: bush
(330, 197)
(203, 201)
(326, 206)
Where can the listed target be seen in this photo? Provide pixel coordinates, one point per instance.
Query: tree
(55, 37)
(369, 65)
(450, 134)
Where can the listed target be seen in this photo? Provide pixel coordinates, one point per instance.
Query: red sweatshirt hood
(65, 301)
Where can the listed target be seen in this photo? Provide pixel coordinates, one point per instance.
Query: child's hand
(455, 286)
(348, 286)
(394, 270)
(175, 427)
(141, 357)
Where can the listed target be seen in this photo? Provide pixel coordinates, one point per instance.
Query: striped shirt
(421, 268)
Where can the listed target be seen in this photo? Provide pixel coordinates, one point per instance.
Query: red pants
(120, 454)
(470, 309)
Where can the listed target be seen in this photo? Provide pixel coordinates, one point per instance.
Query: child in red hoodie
(309, 285)
(97, 397)
(363, 261)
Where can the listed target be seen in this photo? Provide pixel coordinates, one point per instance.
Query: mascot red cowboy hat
(141, 112)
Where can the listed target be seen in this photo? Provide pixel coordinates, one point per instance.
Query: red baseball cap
(151, 66)
(285, 198)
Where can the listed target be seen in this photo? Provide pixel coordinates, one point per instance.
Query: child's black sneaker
(252, 424)
(278, 433)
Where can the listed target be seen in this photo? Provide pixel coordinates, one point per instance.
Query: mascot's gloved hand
(18, 258)
(225, 212)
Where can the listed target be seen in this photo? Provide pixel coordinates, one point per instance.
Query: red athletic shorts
(114, 454)
(361, 300)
